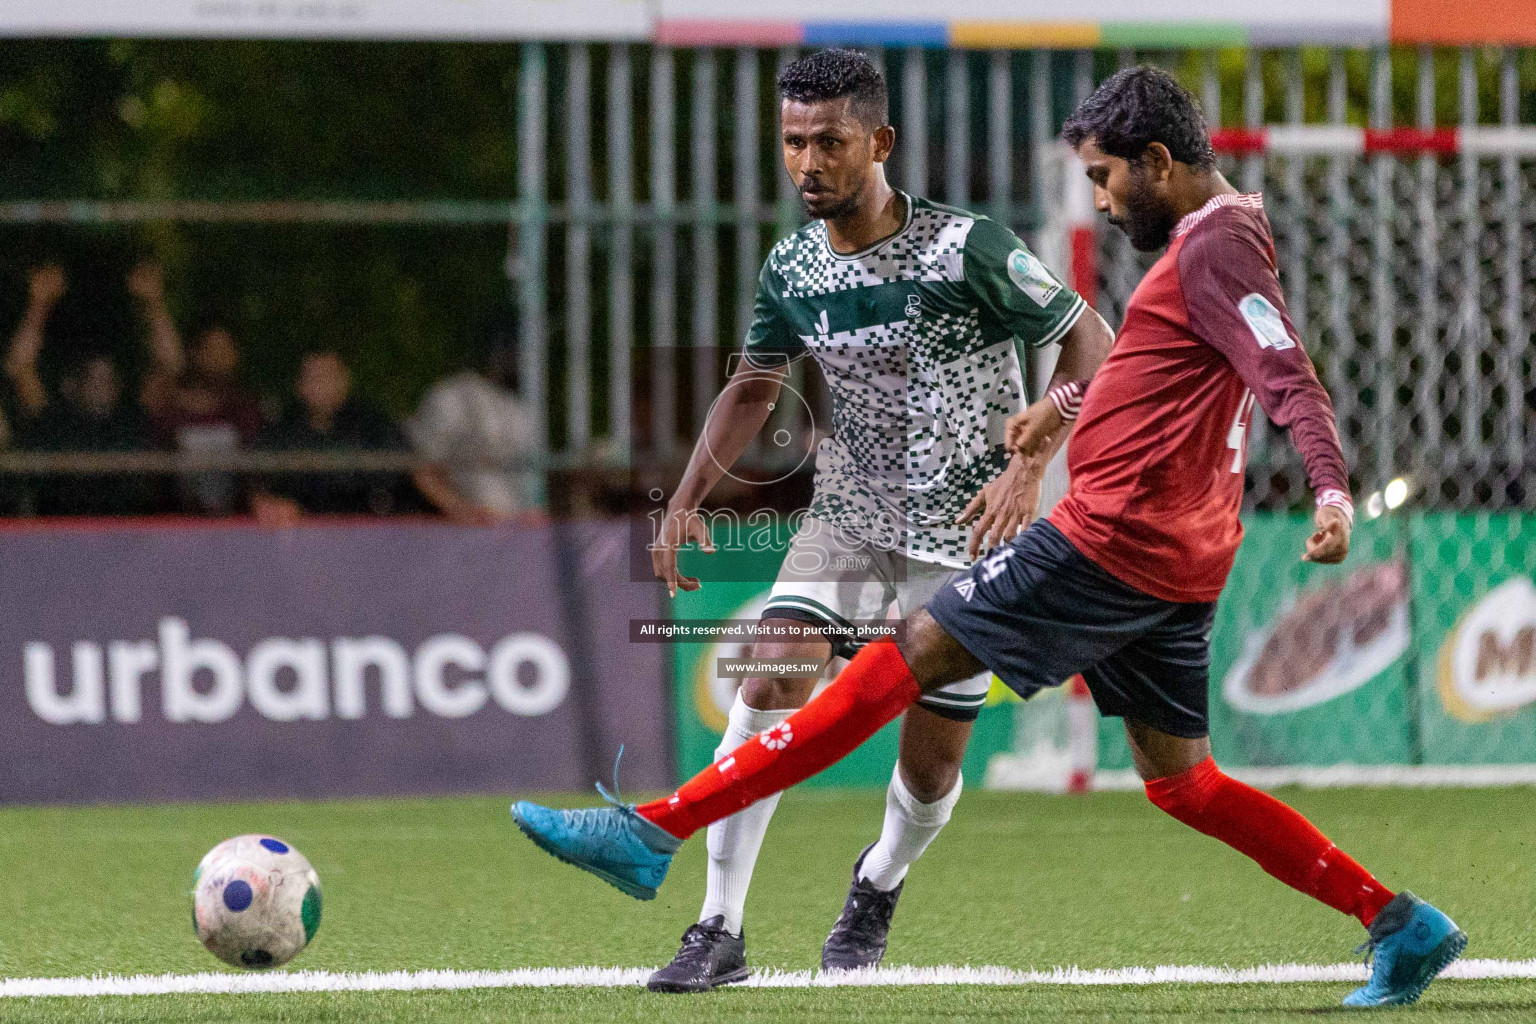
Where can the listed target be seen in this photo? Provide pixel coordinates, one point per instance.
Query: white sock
(909, 827)
(733, 842)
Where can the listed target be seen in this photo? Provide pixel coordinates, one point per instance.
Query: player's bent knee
(932, 751)
(1161, 755)
(930, 782)
(1186, 795)
(935, 658)
(776, 694)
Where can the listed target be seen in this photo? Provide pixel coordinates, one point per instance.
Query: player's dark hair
(833, 74)
(1136, 107)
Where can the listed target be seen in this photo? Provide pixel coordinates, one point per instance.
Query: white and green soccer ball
(255, 902)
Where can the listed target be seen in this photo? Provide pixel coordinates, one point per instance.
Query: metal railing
(25, 463)
(1360, 235)
(649, 190)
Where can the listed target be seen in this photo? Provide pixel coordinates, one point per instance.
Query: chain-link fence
(649, 187)
(1398, 184)
(1412, 280)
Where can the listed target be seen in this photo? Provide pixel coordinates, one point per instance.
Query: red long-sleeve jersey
(1157, 457)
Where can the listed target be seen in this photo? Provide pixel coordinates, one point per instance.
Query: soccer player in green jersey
(916, 314)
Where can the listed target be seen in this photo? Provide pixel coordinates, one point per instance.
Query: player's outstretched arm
(1004, 506)
(1040, 430)
(1083, 351)
(1083, 348)
(1014, 287)
(1008, 504)
(1035, 432)
(736, 418)
(1232, 293)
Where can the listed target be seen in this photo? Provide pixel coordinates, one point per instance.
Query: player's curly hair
(1136, 107)
(833, 74)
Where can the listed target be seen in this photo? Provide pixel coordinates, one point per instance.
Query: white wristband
(1068, 400)
(1339, 500)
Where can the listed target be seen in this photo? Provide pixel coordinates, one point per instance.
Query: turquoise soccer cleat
(1411, 943)
(613, 843)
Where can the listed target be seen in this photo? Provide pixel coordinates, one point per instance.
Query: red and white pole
(1082, 232)
(1082, 736)
(1348, 140)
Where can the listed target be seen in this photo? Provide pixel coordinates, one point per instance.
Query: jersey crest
(1264, 321)
(1031, 277)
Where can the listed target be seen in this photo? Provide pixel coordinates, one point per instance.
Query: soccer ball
(255, 902)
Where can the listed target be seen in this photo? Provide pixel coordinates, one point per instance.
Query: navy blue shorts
(1038, 612)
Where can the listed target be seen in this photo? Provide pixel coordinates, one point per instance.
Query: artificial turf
(1016, 880)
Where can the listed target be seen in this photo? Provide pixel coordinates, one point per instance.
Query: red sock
(1283, 842)
(874, 688)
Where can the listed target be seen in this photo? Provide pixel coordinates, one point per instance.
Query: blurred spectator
(45, 287)
(198, 389)
(477, 430)
(87, 416)
(194, 399)
(327, 418)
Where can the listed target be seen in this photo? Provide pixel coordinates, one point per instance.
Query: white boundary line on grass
(622, 977)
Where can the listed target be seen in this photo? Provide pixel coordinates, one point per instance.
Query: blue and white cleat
(613, 843)
(1411, 943)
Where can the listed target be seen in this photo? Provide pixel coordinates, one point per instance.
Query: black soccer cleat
(710, 957)
(859, 936)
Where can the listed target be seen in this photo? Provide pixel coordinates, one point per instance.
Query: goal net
(1408, 260)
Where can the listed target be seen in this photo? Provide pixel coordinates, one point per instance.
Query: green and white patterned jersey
(917, 339)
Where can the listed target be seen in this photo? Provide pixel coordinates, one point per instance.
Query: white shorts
(829, 577)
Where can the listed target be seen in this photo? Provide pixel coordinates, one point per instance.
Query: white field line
(622, 977)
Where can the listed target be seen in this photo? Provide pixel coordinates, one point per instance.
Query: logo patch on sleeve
(1030, 276)
(1265, 322)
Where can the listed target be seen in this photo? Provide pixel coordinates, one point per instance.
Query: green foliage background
(164, 120)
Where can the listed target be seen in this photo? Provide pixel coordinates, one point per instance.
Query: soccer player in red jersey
(1119, 583)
